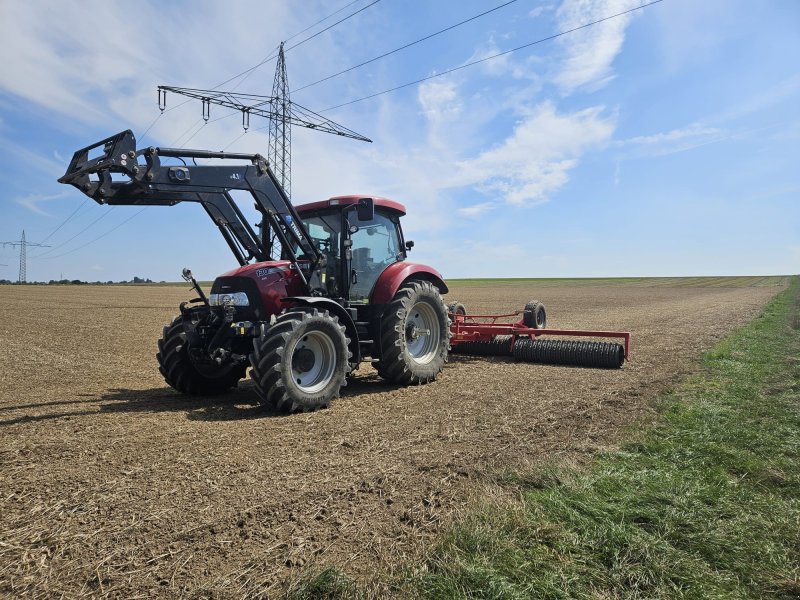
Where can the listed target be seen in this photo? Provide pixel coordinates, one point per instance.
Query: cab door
(375, 246)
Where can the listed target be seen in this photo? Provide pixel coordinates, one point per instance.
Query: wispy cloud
(476, 210)
(589, 53)
(670, 142)
(784, 90)
(32, 202)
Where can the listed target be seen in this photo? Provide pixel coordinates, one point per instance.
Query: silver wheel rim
(313, 362)
(422, 333)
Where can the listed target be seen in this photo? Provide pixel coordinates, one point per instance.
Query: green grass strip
(704, 505)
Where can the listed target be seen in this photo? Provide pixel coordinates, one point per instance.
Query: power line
(300, 43)
(99, 237)
(475, 62)
(427, 37)
(65, 221)
(346, 6)
(320, 32)
(54, 248)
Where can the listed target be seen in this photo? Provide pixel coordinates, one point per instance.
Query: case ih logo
(262, 272)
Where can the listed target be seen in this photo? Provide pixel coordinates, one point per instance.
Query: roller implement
(320, 287)
(495, 335)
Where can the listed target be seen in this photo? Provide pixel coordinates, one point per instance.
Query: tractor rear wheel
(415, 335)
(301, 361)
(187, 376)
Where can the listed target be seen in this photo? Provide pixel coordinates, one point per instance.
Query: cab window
(376, 245)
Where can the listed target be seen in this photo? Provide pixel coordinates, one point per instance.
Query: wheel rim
(313, 362)
(422, 332)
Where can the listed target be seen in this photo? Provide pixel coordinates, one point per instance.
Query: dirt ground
(113, 484)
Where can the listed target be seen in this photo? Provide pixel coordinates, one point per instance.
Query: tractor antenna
(278, 109)
(23, 267)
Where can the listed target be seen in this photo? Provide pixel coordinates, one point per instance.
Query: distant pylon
(23, 261)
(23, 267)
(280, 129)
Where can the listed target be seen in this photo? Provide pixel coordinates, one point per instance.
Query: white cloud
(477, 210)
(21, 154)
(589, 52)
(539, 10)
(439, 101)
(536, 159)
(99, 65)
(32, 201)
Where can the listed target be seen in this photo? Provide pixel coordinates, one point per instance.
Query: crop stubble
(111, 483)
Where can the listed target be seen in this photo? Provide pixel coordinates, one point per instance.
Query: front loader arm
(111, 172)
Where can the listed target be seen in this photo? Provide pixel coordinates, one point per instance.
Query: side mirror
(365, 209)
(409, 245)
(187, 274)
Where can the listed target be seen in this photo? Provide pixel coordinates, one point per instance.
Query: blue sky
(665, 142)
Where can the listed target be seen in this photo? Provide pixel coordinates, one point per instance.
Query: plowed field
(113, 484)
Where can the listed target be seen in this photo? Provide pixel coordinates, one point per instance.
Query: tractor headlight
(229, 299)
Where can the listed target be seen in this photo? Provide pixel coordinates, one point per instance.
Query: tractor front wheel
(415, 335)
(301, 361)
(186, 376)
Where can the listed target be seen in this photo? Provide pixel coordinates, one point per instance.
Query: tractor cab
(360, 237)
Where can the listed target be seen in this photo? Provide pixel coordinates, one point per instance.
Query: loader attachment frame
(112, 171)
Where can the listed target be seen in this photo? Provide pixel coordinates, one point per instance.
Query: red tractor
(328, 286)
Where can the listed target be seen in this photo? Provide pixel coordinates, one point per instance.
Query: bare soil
(113, 484)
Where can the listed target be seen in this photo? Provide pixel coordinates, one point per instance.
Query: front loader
(320, 287)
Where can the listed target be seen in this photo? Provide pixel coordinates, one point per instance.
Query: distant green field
(733, 281)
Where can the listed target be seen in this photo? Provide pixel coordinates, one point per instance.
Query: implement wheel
(415, 335)
(187, 376)
(456, 308)
(535, 315)
(301, 362)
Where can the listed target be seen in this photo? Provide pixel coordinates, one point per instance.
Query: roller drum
(604, 355)
(499, 346)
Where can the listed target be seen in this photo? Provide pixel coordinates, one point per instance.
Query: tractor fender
(334, 309)
(395, 275)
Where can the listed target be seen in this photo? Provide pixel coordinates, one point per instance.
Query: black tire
(181, 373)
(407, 357)
(456, 308)
(535, 316)
(300, 363)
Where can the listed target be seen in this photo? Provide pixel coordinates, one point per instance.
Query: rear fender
(334, 309)
(395, 275)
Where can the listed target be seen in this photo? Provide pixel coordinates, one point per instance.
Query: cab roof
(349, 200)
